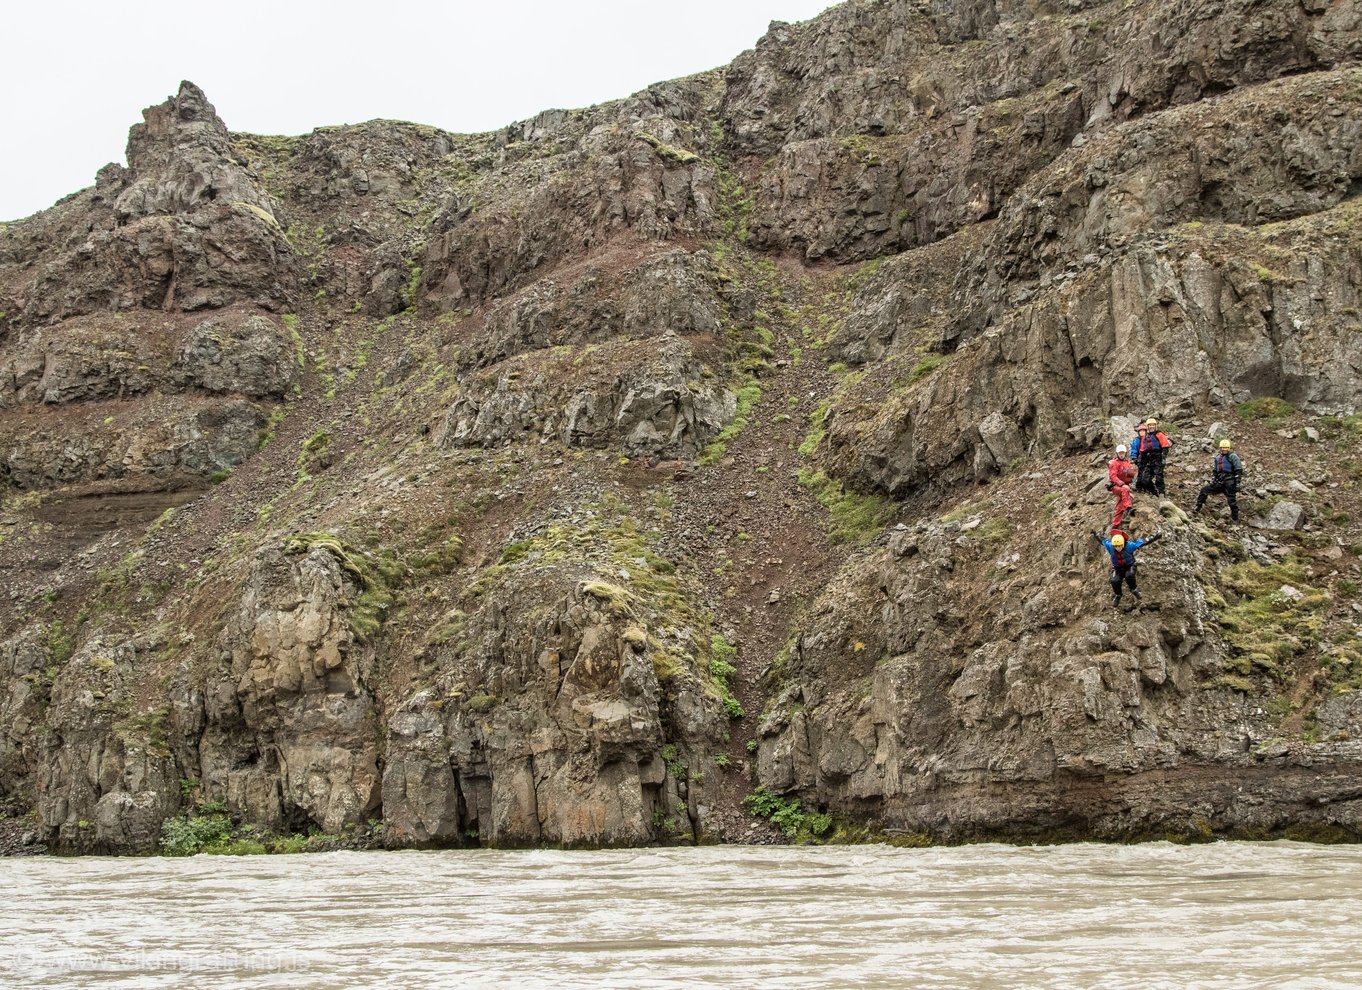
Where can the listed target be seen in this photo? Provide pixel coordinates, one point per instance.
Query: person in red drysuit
(1120, 475)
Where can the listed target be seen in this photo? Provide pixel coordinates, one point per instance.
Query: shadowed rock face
(564, 484)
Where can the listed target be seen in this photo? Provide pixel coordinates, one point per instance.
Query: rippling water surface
(1277, 915)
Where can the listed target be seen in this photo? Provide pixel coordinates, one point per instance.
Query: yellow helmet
(1151, 421)
(1118, 541)
(1226, 445)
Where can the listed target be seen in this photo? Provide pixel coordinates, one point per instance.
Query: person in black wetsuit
(1148, 451)
(1225, 475)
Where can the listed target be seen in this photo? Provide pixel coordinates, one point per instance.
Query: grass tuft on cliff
(722, 666)
(748, 396)
(378, 576)
(1270, 614)
(854, 518)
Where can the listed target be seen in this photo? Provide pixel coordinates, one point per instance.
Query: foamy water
(1234, 915)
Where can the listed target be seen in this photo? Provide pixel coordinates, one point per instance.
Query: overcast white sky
(76, 75)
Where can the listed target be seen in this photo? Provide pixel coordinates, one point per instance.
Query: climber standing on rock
(1122, 553)
(1120, 474)
(1148, 450)
(1225, 474)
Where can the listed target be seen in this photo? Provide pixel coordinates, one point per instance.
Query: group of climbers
(1141, 465)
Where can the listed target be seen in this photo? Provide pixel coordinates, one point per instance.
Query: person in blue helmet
(1122, 553)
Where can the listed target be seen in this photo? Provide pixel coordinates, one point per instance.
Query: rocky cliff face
(567, 484)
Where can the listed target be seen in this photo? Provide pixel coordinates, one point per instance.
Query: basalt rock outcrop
(671, 291)
(563, 485)
(657, 403)
(183, 227)
(549, 734)
(1042, 716)
(896, 125)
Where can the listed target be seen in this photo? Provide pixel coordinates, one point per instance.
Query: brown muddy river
(1233, 915)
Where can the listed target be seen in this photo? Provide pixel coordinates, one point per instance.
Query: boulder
(1283, 515)
(252, 355)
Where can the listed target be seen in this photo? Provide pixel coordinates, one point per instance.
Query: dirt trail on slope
(759, 540)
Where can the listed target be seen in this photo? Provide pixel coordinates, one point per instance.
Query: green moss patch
(991, 534)
(615, 597)
(748, 396)
(816, 419)
(378, 575)
(925, 367)
(315, 453)
(854, 518)
(1266, 627)
(670, 152)
(1266, 408)
(722, 666)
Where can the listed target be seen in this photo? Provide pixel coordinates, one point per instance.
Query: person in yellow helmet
(1225, 473)
(1122, 553)
(1148, 451)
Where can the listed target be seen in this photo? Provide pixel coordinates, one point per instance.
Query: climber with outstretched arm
(1122, 553)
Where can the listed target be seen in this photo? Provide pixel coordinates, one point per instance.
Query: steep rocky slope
(567, 484)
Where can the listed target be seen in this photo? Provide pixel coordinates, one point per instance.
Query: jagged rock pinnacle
(181, 157)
